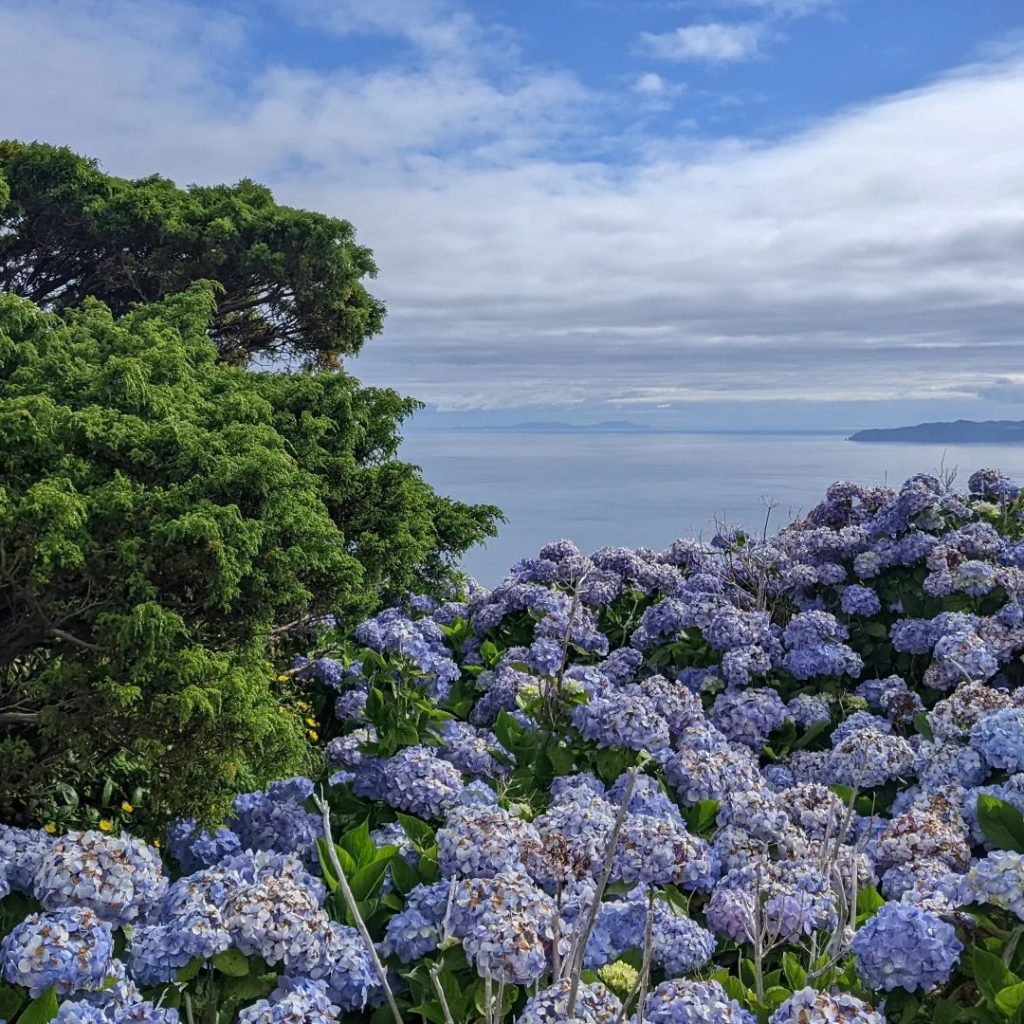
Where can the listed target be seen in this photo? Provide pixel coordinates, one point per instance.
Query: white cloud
(650, 84)
(714, 42)
(874, 255)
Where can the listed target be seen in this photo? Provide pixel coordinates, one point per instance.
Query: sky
(790, 213)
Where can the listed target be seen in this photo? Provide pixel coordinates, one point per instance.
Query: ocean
(646, 489)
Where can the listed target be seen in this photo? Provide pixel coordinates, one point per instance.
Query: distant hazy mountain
(958, 432)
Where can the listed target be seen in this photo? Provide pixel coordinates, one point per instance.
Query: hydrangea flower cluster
(795, 719)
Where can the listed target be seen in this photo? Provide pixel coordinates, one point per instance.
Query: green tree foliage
(290, 281)
(161, 512)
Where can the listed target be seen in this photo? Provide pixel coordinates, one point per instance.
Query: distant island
(958, 432)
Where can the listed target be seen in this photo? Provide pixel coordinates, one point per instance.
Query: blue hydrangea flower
(22, 851)
(594, 1005)
(70, 949)
(694, 1002)
(276, 820)
(999, 738)
(809, 1006)
(679, 945)
(906, 947)
(748, 717)
(118, 877)
(195, 848)
(416, 930)
(479, 841)
(294, 1001)
(999, 879)
(159, 951)
(860, 600)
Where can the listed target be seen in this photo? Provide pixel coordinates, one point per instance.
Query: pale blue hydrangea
(748, 717)
(694, 1002)
(22, 851)
(594, 1005)
(856, 721)
(415, 780)
(70, 949)
(697, 774)
(626, 717)
(999, 879)
(809, 1006)
(119, 877)
(906, 947)
(470, 750)
(159, 951)
(807, 709)
(999, 738)
(480, 841)
(276, 820)
(416, 930)
(506, 925)
(195, 848)
(294, 1001)
(279, 920)
(658, 851)
(869, 758)
(679, 945)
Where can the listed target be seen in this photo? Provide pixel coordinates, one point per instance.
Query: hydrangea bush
(775, 781)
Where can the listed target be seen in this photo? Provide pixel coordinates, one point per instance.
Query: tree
(290, 281)
(161, 512)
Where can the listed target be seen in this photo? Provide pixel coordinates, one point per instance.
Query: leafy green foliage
(161, 512)
(1002, 823)
(290, 281)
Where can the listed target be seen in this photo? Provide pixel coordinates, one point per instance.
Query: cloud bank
(541, 245)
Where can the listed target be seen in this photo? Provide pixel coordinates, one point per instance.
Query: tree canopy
(161, 512)
(289, 282)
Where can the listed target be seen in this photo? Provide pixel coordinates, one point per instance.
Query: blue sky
(755, 212)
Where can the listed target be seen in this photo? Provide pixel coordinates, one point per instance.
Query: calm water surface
(648, 489)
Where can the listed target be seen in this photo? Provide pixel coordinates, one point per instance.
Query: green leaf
(366, 882)
(869, 901)
(796, 976)
(190, 970)
(404, 875)
(775, 996)
(701, 817)
(231, 962)
(843, 792)
(358, 844)
(10, 1002)
(42, 1009)
(1002, 823)
(923, 726)
(945, 1012)
(326, 868)
(991, 975)
(1010, 999)
(811, 734)
(421, 834)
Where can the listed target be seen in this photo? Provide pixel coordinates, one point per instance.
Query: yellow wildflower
(283, 677)
(51, 828)
(126, 807)
(106, 826)
(313, 735)
(311, 722)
